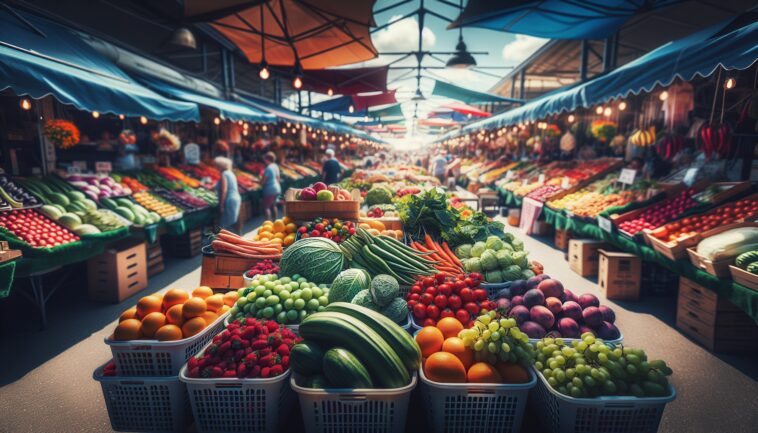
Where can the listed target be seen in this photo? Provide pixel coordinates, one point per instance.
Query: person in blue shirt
(229, 199)
(271, 187)
(332, 169)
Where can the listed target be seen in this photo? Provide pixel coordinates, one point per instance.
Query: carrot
(249, 244)
(429, 242)
(452, 255)
(219, 245)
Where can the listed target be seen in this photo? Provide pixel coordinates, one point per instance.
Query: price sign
(565, 183)
(509, 174)
(627, 176)
(541, 179)
(72, 169)
(81, 165)
(103, 167)
(525, 182)
(192, 154)
(605, 224)
(690, 176)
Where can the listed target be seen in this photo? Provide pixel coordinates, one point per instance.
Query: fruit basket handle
(352, 397)
(475, 391)
(227, 385)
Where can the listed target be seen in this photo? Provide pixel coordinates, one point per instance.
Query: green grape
(633, 359)
(581, 346)
(594, 372)
(516, 333)
(538, 365)
(547, 372)
(563, 390)
(609, 387)
(560, 375)
(486, 334)
(495, 336)
(552, 382)
(553, 364)
(617, 352)
(602, 358)
(577, 382)
(505, 347)
(546, 351)
(631, 369)
(570, 373)
(589, 381)
(636, 390)
(576, 392)
(581, 369)
(484, 319)
(479, 345)
(510, 323)
(560, 360)
(589, 338)
(559, 341)
(492, 347)
(493, 326)
(468, 341)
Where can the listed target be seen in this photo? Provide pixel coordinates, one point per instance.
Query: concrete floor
(46, 380)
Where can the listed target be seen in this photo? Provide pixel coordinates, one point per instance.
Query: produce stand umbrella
(316, 34)
(346, 81)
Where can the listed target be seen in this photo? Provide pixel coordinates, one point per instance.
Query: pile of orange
(173, 315)
(281, 231)
(448, 360)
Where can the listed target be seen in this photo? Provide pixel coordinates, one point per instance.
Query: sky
(503, 50)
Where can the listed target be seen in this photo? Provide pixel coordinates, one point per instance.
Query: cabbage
(493, 276)
(507, 247)
(472, 265)
(489, 260)
(511, 273)
(463, 251)
(520, 259)
(518, 244)
(478, 249)
(509, 237)
(527, 273)
(504, 258)
(494, 243)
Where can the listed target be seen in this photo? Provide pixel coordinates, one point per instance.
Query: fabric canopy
(317, 33)
(346, 81)
(360, 103)
(49, 59)
(228, 110)
(468, 96)
(699, 54)
(391, 111)
(555, 19)
(280, 112)
(443, 123)
(460, 108)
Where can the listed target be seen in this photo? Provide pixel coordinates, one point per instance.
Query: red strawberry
(272, 326)
(283, 350)
(265, 372)
(216, 372)
(254, 371)
(276, 370)
(265, 351)
(194, 372)
(259, 344)
(239, 354)
(229, 373)
(192, 363)
(241, 370)
(285, 361)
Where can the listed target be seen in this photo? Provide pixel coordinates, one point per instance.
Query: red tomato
(426, 299)
(467, 295)
(419, 311)
(454, 301)
(472, 308)
(414, 297)
(463, 316)
(480, 294)
(440, 278)
(430, 322)
(447, 313)
(428, 281)
(440, 301)
(432, 311)
(431, 290)
(445, 289)
(416, 289)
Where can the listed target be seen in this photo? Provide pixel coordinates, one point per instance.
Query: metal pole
(583, 61)
(522, 84)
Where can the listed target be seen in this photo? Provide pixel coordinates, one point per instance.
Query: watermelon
(319, 260)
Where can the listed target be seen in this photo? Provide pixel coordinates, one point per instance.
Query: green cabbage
(518, 244)
(494, 243)
(478, 249)
(472, 265)
(504, 258)
(489, 260)
(520, 259)
(511, 273)
(378, 195)
(527, 273)
(493, 276)
(463, 251)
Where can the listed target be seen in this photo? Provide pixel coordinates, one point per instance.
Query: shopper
(271, 187)
(332, 169)
(229, 199)
(438, 167)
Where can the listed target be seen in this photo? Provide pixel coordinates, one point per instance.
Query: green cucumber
(343, 370)
(306, 358)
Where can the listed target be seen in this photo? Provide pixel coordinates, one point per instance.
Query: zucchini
(306, 358)
(744, 259)
(752, 268)
(397, 338)
(338, 329)
(343, 370)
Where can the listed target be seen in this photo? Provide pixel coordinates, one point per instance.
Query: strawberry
(285, 361)
(254, 371)
(276, 370)
(259, 344)
(239, 354)
(194, 372)
(193, 363)
(225, 347)
(283, 350)
(265, 372)
(216, 372)
(272, 326)
(230, 373)
(242, 370)
(265, 351)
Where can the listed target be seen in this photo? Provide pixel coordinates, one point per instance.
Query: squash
(729, 244)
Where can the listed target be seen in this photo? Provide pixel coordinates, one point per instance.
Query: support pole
(583, 61)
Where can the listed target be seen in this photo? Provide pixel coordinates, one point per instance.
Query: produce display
(348, 346)
(264, 267)
(172, 173)
(156, 204)
(228, 242)
(36, 229)
(131, 211)
(317, 259)
(544, 192)
(129, 182)
(499, 260)
(748, 261)
(98, 187)
(690, 226)
(282, 231)
(378, 194)
(14, 195)
(284, 299)
(376, 227)
(249, 349)
(436, 297)
(381, 294)
(527, 179)
(729, 244)
(382, 210)
(84, 223)
(447, 262)
(336, 229)
(541, 306)
(174, 315)
(182, 199)
(321, 192)
(591, 368)
(660, 213)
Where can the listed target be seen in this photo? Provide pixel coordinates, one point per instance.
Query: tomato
(416, 289)
(469, 282)
(440, 301)
(432, 311)
(463, 316)
(430, 322)
(472, 308)
(447, 313)
(431, 290)
(480, 294)
(454, 301)
(467, 295)
(428, 281)
(419, 311)
(414, 297)
(440, 278)
(445, 289)
(426, 299)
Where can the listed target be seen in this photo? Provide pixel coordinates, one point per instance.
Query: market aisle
(712, 395)
(60, 395)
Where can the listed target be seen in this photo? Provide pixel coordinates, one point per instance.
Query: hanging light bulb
(216, 121)
(599, 110)
(365, 118)
(622, 106)
(351, 108)
(571, 118)
(313, 135)
(294, 130)
(664, 95)
(730, 83)
(25, 104)
(143, 120)
(96, 114)
(245, 126)
(121, 116)
(264, 73)
(297, 83)
(284, 130)
(329, 91)
(264, 128)
(607, 112)
(239, 122)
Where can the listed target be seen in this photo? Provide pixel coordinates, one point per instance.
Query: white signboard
(565, 183)
(627, 176)
(192, 154)
(541, 179)
(605, 224)
(103, 167)
(690, 175)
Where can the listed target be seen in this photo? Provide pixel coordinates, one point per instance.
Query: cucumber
(744, 259)
(338, 329)
(306, 358)
(343, 370)
(397, 338)
(318, 382)
(752, 268)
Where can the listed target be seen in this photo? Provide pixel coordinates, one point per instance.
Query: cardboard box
(562, 238)
(583, 256)
(619, 275)
(119, 272)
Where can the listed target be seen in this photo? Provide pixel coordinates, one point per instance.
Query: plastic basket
(155, 404)
(354, 410)
(238, 405)
(160, 358)
(565, 414)
(293, 328)
(568, 341)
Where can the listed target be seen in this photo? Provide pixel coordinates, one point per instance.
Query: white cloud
(402, 35)
(522, 47)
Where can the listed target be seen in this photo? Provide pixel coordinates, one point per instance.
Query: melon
(51, 212)
(70, 220)
(124, 212)
(86, 229)
(319, 260)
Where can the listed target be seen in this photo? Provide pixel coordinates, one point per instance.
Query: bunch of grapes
(591, 368)
(496, 338)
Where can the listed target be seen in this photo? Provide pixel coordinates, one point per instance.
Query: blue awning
(227, 110)
(468, 96)
(699, 54)
(280, 112)
(45, 58)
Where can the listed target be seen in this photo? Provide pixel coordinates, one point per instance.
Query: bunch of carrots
(229, 242)
(448, 264)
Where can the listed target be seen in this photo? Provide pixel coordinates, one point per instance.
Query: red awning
(346, 81)
(444, 123)
(362, 102)
(466, 109)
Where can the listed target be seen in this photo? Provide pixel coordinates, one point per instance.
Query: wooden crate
(7, 254)
(185, 245)
(301, 210)
(224, 271)
(718, 268)
(619, 275)
(562, 238)
(154, 259)
(713, 321)
(119, 272)
(743, 277)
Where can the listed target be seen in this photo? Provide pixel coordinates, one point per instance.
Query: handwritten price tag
(627, 176)
(565, 183)
(605, 224)
(541, 179)
(690, 175)
(103, 167)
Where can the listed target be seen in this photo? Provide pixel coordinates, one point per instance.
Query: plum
(592, 317)
(572, 310)
(588, 300)
(554, 305)
(568, 295)
(533, 282)
(584, 329)
(568, 328)
(532, 329)
(551, 288)
(520, 313)
(534, 297)
(518, 287)
(542, 316)
(608, 331)
(503, 304)
(517, 300)
(608, 314)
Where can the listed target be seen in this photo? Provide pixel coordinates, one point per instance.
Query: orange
(209, 317)
(194, 307)
(231, 297)
(288, 240)
(430, 340)
(455, 346)
(279, 226)
(268, 223)
(512, 373)
(450, 326)
(149, 304)
(224, 309)
(215, 302)
(128, 314)
(279, 235)
(286, 220)
(129, 329)
(151, 323)
(174, 297)
(168, 333)
(202, 292)
(483, 372)
(158, 295)
(445, 368)
(193, 326)
(174, 315)
(290, 228)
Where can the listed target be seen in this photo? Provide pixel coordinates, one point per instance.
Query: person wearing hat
(271, 187)
(332, 169)
(229, 199)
